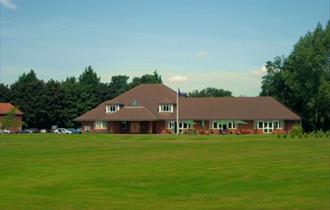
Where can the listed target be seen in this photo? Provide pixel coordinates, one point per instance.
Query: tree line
(59, 102)
(301, 80)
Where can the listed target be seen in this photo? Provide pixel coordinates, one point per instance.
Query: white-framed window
(225, 124)
(278, 124)
(268, 126)
(112, 108)
(183, 125)
(87, 128)
(165, 108)
(171, 125)
(99, 124)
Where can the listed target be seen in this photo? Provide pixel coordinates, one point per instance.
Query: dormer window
(166, 108)
(112, 108)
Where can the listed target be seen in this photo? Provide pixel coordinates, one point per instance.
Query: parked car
(5, 131)
(26, 131)
(62, 131)
(43, 131)
(35, 130)
(74, 131)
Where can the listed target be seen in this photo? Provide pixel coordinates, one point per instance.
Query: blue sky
(192, 44)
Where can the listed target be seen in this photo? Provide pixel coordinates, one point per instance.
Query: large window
(112, 108)
(183, 125)
(224, 124)
(166, 108)
(268, 126)
(101, 124)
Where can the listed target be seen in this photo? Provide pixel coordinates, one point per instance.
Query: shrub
(285, 136)
(191, 132)
(320, 133)
(305, 135)
(297, 129)
(327, 133)
(292, 136)
(278, 136)
(300, 136)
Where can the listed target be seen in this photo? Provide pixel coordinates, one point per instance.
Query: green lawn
(163, 172)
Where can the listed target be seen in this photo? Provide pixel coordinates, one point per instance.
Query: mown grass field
(45, 171)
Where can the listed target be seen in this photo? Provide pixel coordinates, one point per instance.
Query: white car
(62, 131)
(5, 131)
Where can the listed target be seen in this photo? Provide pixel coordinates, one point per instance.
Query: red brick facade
(160, 127)
(19, 128)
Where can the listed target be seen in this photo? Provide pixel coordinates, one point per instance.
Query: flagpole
(177, 112)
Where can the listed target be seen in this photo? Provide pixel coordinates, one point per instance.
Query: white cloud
(8, 4)
(260, 72)
(202, 54)
(177, 78)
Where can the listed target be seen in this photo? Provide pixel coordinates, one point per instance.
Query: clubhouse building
(156, 109)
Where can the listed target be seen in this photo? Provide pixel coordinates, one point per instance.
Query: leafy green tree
(73, 103)
(154, 78)
(210, 92)
(53, 105)
(301, 79)
(91, 89)
(5, 94)
(25, 93)
(118, 85)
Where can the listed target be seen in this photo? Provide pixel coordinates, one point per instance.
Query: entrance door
(135, 127)
(268, 126)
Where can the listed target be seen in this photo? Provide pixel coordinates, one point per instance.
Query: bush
(300, 136)
(320, 133)
(305, 135)
(327, 134)
(191, 132)
(285, 136)
(297, 129)
(292, 136)
(278, 136)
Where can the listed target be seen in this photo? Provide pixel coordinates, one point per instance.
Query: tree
(73, 103)
(301, 80)
(25, 93)
(4, 93)
(53, 105)
(10, 121)
(210, 92)
(154, 78)
(91, 90)
(118, 85)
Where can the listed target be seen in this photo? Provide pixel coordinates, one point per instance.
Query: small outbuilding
(5, 110)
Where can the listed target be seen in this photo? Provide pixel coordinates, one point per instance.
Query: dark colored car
(26, 131)
(35, 130)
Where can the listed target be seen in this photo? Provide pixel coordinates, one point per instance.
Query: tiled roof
(6, 107)
(149, 96)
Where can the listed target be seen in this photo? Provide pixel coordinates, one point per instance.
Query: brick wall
(19, 128)
(159, 127)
